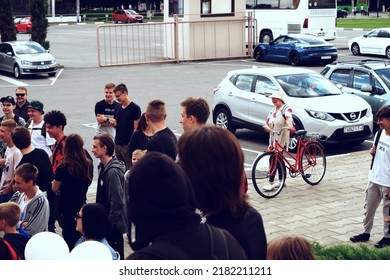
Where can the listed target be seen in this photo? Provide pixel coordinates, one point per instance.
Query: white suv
(241, 101)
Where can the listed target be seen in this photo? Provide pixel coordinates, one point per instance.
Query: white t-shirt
(380, 172)
(12, 158)
(38, 141)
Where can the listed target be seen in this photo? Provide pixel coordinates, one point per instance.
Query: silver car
(241, 101)
(26, 58)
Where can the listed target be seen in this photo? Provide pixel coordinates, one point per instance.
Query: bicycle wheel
(313, 163)
(265, 169)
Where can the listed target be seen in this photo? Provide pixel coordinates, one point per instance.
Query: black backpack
(167, 251)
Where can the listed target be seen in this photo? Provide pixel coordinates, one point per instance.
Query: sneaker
(270, 187)
(363, 237)
(384, 242)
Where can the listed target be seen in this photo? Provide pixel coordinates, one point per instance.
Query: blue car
(296, 49)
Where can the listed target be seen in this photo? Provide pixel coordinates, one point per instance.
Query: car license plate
(43, 67)
(355, 128)
(326, 57)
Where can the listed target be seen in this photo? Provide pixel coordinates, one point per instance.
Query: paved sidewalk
(329, 213)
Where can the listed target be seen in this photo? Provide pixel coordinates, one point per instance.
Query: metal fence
(124, 44)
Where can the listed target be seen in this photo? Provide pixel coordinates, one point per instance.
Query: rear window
(311, 40)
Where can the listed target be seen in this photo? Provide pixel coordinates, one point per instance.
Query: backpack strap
(218, 245)
(42, 129)
(12, 251)
(377, 136)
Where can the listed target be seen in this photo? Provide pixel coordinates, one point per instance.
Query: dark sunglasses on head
(20, 94)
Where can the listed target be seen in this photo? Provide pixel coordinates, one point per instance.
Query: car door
(239, 96)
(7, 61)
(383, 42)
(370, 43)
(360, 80)
(279, 49)
(260, 105)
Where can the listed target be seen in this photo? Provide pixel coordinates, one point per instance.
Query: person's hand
(372, 150)
(266, 128)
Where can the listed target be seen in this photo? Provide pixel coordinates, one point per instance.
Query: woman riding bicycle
(279, 117)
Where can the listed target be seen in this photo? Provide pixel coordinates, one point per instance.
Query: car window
(5, 48)
(383, 34)
(384, 75)
(265, 85)
(340, 76)
(360, 79)
(307, 85)
(279, 40)
(373, 33)
(244, 82)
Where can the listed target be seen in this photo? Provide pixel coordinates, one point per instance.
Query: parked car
(369, 79)
(376, 41)
(26, 58)
(24, 25)
(241, 101)
(296, 49)
(127, 16)
(342, 13)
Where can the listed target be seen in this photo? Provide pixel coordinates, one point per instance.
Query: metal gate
(124, 44)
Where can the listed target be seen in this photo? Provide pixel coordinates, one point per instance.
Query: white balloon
(91, 250)
(46, 246)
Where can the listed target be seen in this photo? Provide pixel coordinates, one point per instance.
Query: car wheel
(294, 59)
(17, 71)
(355, 49)
(224, 120)
(28, 30)
(388, 52)
(266, 37)
(52, 74)
(259, 55)
(115, 21)
(128, 21)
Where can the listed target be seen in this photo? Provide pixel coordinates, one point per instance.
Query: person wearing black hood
(162, 219)
(110, 189)
(218, 187)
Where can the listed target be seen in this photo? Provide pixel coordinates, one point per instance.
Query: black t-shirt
(125, 122)
(73, 191)
(164, 141)
(103, 108)
(139, 140)
(40, 159)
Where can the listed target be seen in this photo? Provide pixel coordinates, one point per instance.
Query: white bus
(276, 17)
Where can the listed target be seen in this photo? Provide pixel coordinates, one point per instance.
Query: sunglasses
(78, 216)
(20, 94)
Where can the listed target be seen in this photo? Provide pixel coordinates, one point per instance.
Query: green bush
(350, 252)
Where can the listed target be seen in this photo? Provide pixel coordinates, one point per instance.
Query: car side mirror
(366, 88)
(365, 35)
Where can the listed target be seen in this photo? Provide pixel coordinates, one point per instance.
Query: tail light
(306, 23)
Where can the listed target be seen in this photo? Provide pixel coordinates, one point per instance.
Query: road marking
(13, 81)
(54, 79)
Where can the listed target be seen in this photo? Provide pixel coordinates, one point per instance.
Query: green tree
(7, 26)
(40, 24)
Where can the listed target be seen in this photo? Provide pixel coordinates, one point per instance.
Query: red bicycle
(269, 170)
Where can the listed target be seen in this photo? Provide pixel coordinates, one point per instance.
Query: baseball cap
(36, 104)
(9, 99)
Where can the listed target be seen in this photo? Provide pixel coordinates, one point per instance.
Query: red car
(24, 25)
(127, 16)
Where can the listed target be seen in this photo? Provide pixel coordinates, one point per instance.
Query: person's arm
(115, 196)
(39, 215)
(55, 185)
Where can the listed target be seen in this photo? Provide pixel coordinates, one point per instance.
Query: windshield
(307, 85)
(384, 75)
(29, 48)
(131, 12)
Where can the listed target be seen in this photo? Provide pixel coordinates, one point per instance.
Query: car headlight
(53, 61)
(320, 115)
(26, 63)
